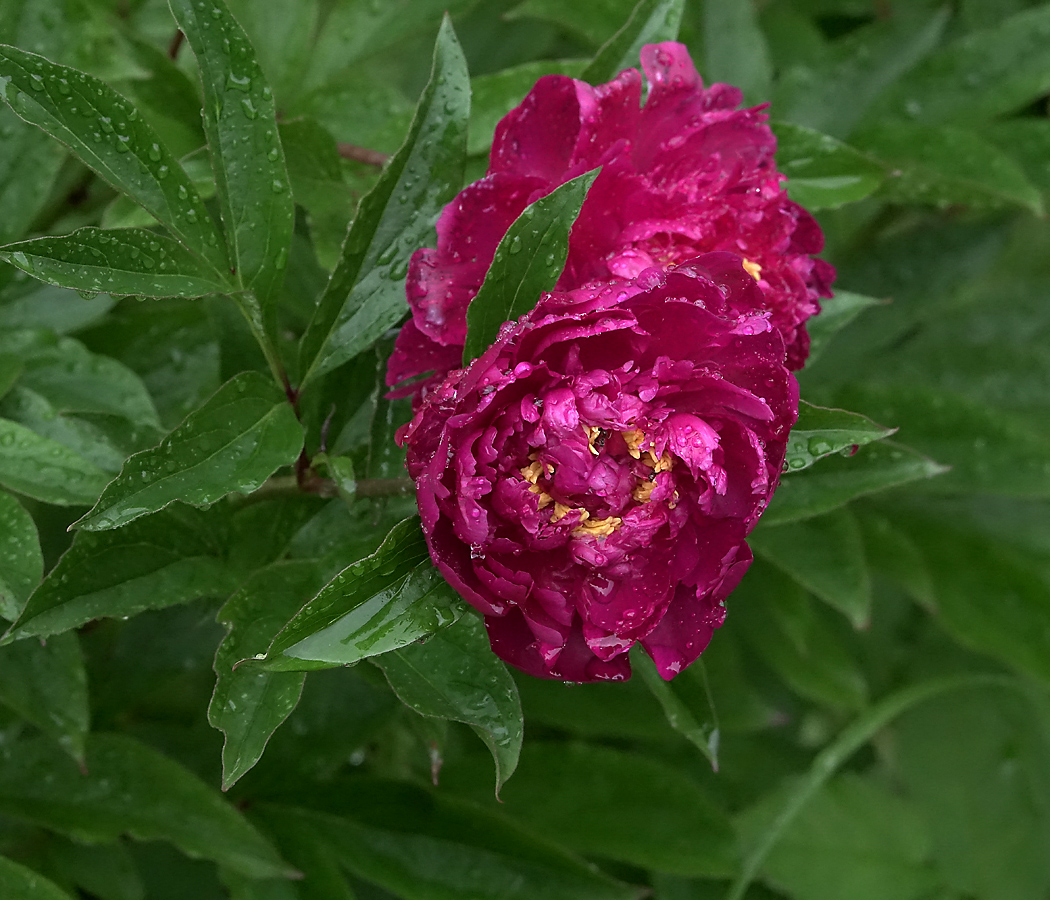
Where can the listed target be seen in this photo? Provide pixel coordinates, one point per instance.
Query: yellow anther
(753, 269)
(532, 472)
(633, 439)
(642, 492)
(561, 511)
(597, 527)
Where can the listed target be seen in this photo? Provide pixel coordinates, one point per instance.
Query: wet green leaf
(381, 603)
(838, 479)
(979, 76)
(651, 22)
(594, 20)
(366, 295)
(107, 133)
(824, 173)
(20, 883)
(529, 260)
(21, 562)
(35, 305)
(250, 175)
(45, 683)
(46, 470)
(237, 440)
(153, 563)
(29, 162)
(248, 704)
(819, 432)
(116, 261)
(454, 674)
(825, 554)
(944, 165)
(130, 788)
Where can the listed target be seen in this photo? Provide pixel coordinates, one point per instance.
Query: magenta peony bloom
(686, 173)
(588, 481)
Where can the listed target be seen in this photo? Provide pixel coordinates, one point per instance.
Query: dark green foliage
(203, 249)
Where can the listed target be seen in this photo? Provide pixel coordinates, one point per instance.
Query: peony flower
(588, 482)
(686, 173)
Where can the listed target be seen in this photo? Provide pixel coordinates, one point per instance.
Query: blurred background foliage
(918, 132)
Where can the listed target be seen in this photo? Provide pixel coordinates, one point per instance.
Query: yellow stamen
(642, 492)
(753, 269)
(592, 436)
(561, 511)
(532, 472)
(597, 527)
(663, 464)
(633, 439)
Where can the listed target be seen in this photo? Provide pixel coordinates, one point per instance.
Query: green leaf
(839, 479)
(622, 806)
(323, 877)
(735, 49)
(651, 22)
(833, 95)
(495, 95)
(440, 850)
(36, 305)
(74, 380)
(798, 638)
(29, 162)
(529, 260)
(365, 295)
(455, 675)
(19, 883)
(853, 839)
(381, 603)
(593, 20)
(248, 704)
(944, 165)
(988, 449)
(823, 173)
(835, 313)
(704, 735)
(46, 470)
(825, 555)
(21, 562)
(988, 596)
(45, 683)
(10, 370)
(107, 133)
(976, 766)
(118, 261)
(250, 175)
(977, 77)
(819, 432)
(156, 562)
(237, 440)
(831, 758)
(131, 789)
(105, 871)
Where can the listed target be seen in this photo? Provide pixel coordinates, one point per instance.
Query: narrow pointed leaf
(130, 788)
(824, 173)
(837, 480)
(455, 675)
(702, 735)
(20, 883)
(153, 563)
(45, 683)
(250, 704)
(825, 555)
(819, 432)
(46, 470)
(238, 439)
(21, 561)
(240, 121)
(365, 295)
(529, 260)
(381, 603)
(108, 135)
(651, 22)
(119, 261)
